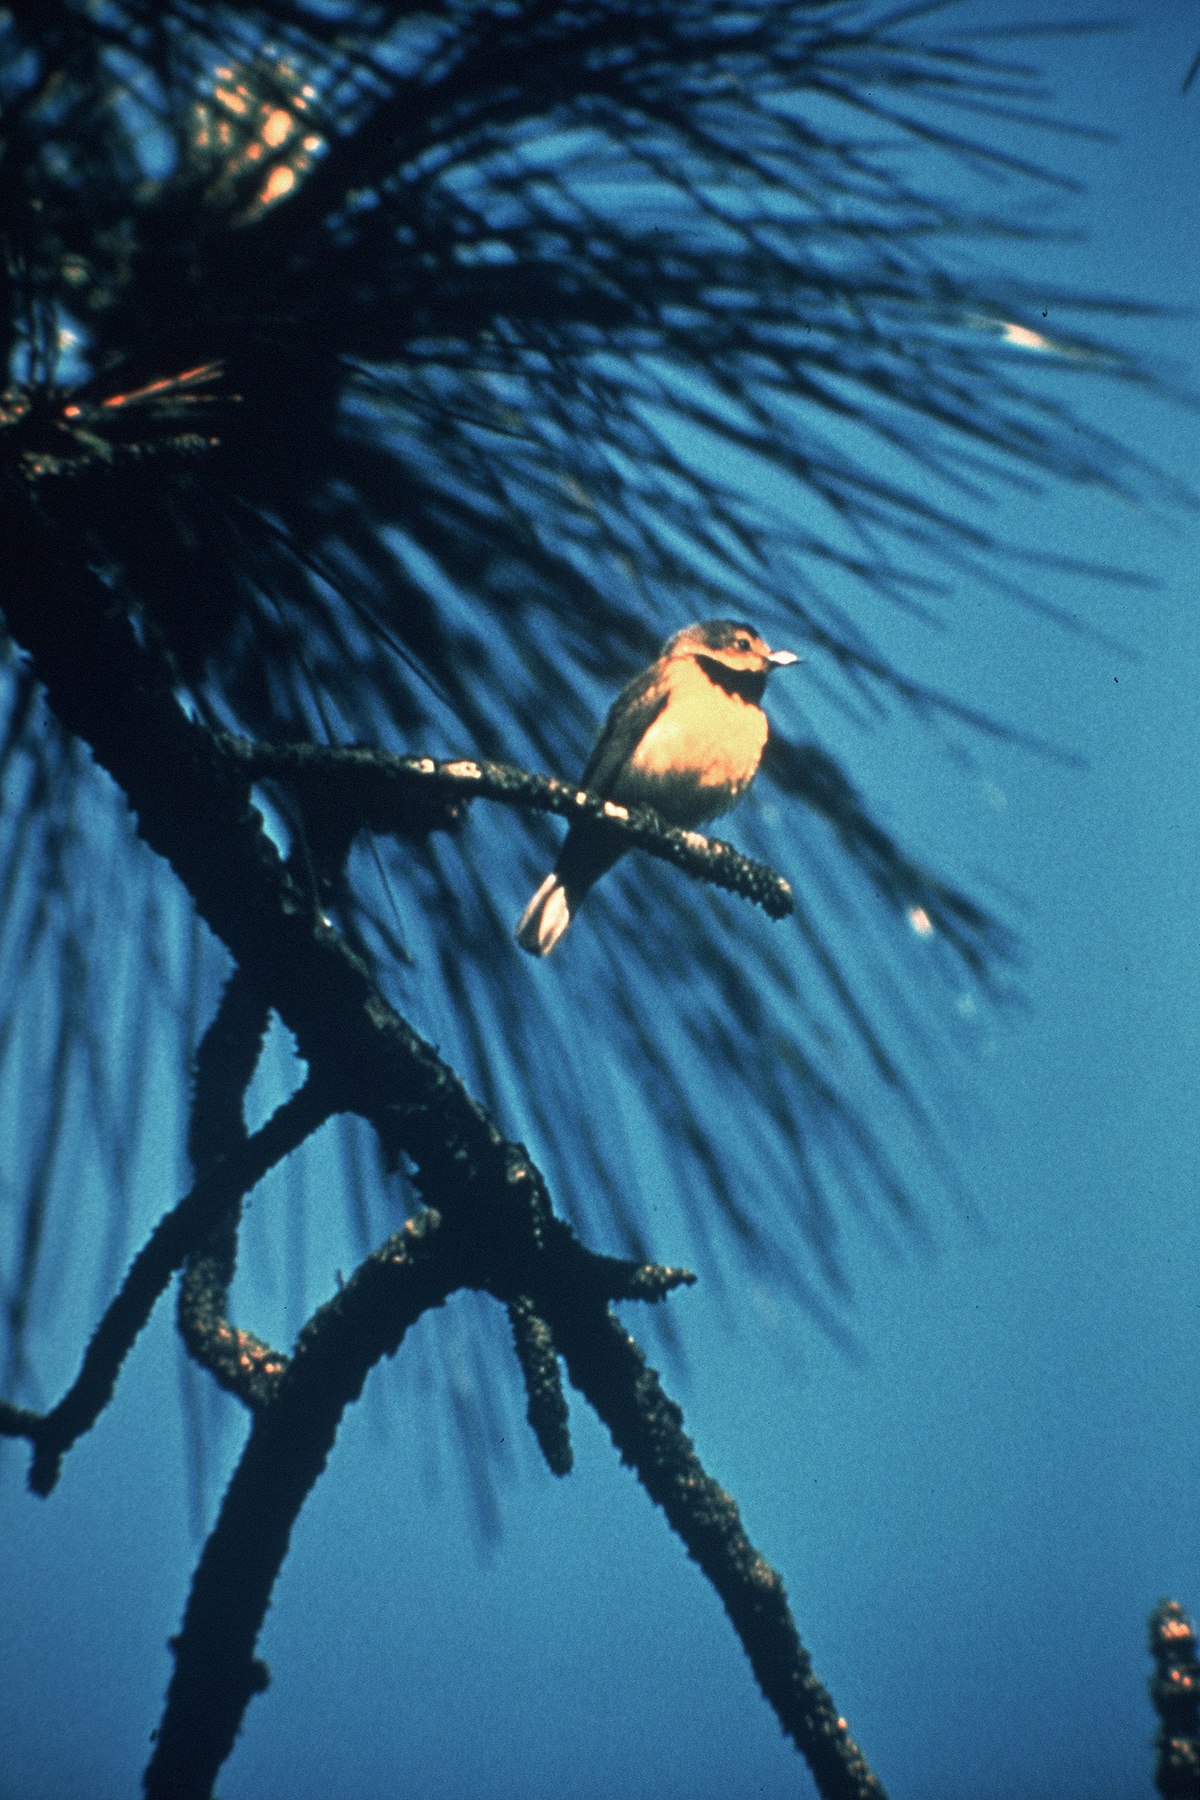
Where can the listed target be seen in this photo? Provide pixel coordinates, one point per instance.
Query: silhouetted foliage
(404, 370)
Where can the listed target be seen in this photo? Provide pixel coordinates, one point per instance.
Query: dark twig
(588, 1276)
(52, 1434)
(225, 1063)
(415, 794)
(1175, 1692)
(609, 1368)
(546, 1405)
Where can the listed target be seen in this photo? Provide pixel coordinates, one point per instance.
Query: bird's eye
(742, 642)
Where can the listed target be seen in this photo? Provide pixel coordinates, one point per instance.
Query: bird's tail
(583, 859)
(545, 918)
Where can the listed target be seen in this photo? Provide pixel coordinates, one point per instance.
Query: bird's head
(730, 652)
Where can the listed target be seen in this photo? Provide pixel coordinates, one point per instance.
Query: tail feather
(545, 918)
(583, 859)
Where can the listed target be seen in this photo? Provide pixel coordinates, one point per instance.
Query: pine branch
(175, 1236)
(216, 1672)
(608, 1367)
(225, 1062)
(413, 794)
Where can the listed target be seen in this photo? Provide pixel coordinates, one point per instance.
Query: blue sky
(975, 1513)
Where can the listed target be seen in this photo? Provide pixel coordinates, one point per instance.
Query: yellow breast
(700, 753)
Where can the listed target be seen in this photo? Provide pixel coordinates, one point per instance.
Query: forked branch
(217, 1671)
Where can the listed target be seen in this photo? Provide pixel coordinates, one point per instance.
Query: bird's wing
(630, 717)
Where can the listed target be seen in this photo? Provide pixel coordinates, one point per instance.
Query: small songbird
(685, 737)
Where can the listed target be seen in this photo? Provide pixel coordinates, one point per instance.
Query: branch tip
(546, 1408)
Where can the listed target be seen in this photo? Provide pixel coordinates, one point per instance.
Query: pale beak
(781, 658)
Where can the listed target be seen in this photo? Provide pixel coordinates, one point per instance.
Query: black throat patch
(748, 684)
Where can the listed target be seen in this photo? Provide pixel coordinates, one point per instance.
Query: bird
(685, 736)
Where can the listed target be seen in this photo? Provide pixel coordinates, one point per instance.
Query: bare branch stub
(546, 1406)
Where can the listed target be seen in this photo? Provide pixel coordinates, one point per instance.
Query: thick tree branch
(194, 808)
(608, 1367)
